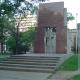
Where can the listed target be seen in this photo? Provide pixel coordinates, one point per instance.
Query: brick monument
(51, 35)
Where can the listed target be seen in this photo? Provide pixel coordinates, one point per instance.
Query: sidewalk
(17, 75)
(64, 75)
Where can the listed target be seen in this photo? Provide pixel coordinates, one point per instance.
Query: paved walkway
(16, 75)
(64, 75)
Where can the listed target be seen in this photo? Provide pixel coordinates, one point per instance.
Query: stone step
(35, 56)
(28, 66)
(32, 60)
(30, 63)
(24, 62)
(26, 69)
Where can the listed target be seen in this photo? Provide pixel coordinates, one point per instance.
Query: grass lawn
(70, 64)
(76, 77)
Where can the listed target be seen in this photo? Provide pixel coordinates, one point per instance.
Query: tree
(70, 17)
(3, 24)
(28, 36)
(25, 41)
(9, 9)
(5, 14)
(32, 9)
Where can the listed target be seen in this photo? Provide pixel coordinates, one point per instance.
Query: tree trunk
(17, 39)
(2, 41)
(2, 47)
(17, 36)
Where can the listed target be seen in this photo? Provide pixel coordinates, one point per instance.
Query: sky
(73, 6)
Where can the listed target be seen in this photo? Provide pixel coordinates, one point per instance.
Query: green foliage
(24, 43)
(76, 77)
(6, 9)
(11, 43)
(70, 17)
(29, 35)
(70, 64)
(11, 46)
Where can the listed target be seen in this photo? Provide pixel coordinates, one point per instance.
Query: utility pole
(76, 35)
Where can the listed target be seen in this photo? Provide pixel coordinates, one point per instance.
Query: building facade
(26, 22)
(71, 40)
